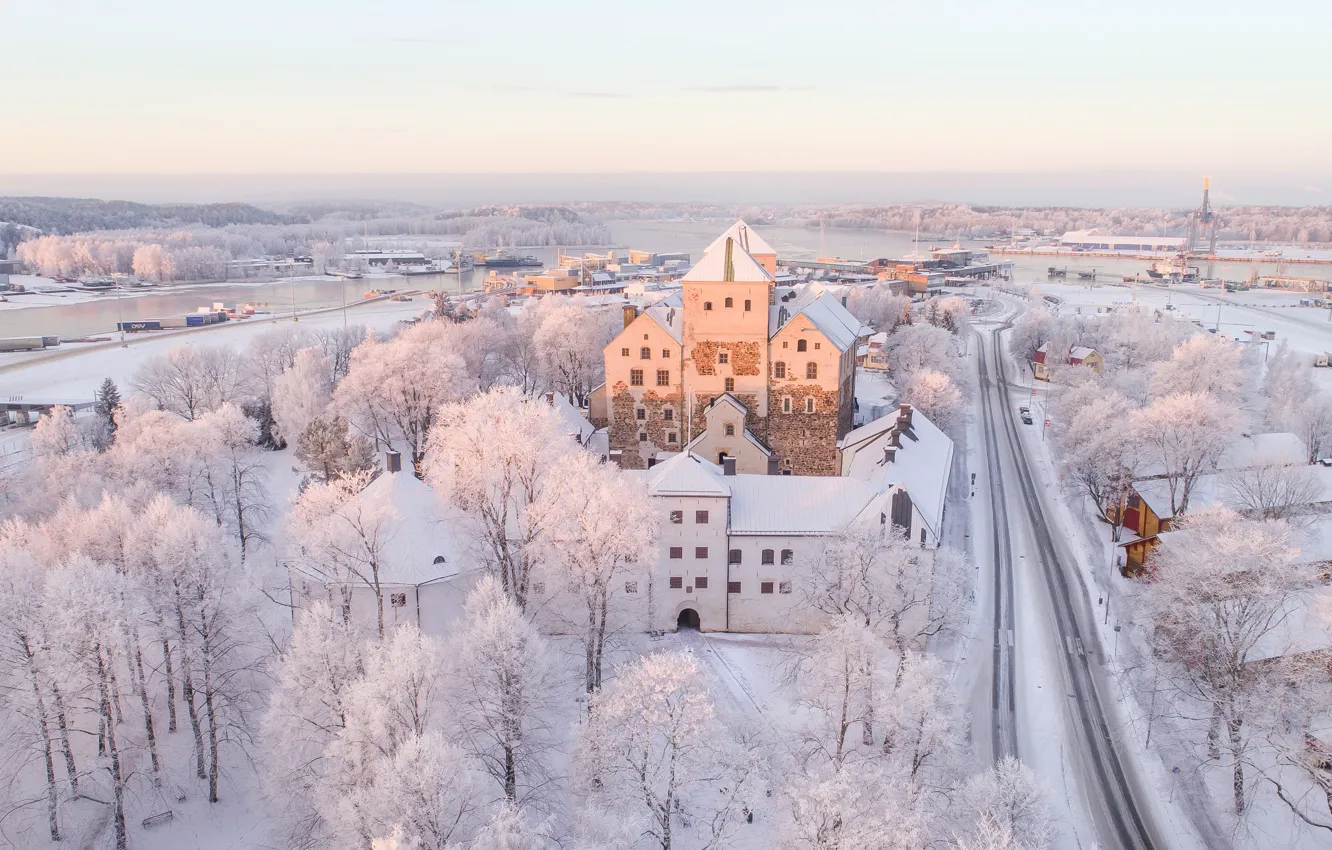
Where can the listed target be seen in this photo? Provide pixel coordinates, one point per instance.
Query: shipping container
(50, 341)
(21, 343)
(173, 322)
(142, 325)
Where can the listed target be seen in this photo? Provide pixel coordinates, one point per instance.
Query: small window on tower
(624, 352)
(811, 370)
(730, 429)
(670, 437)
(817, 346)
(677, 582)
(765, 587)
(747, 305)
(809, 404)
(767, 557)
(645, 353)
(779, 369)
(668, 414)
(800, 345)
(677, 552)
(701, 582)
(635, 377)
(730, 302)
(663, 377)
(730, 385)
(642, 436)
(723, 357)
(665, 352)
(640, 414)
(786, 405)
(785, 344)
(707, 305)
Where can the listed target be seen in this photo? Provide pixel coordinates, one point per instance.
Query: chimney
(773, 468)
(728, 465)
(843, 300)
(889, 453)
(550, 399)
(896, 441)
(630, 313)
(393, 461)
(904, 412)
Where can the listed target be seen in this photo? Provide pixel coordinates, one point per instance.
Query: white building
(1099, 240)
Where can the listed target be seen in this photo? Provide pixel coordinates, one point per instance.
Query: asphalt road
(1112, 796)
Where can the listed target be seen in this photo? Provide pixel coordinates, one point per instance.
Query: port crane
(1202, 224)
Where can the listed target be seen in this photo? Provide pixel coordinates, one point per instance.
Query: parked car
(1026, 419)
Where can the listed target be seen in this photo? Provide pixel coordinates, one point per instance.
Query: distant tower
(1202, 224)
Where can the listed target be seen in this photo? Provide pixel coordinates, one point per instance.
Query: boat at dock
(502, 259)
(1174, 271)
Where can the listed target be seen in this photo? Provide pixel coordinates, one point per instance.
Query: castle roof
(746, 237)
(669, 313)
(713, 267)
(684, 475)
(822, 309)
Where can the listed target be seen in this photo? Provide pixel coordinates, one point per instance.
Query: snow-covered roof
(422, 533)
(669, 313)
(576, 424)
(1304, 628)
(825, 312)
(685, 475)
(712, 268)
(746, 237)
(921, 464)
(1080, 352)
(1251, 450)
(795, 504)
(1216, 489)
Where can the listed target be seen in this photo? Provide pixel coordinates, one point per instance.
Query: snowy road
(1058, 623)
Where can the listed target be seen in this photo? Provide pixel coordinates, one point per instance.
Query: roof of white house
(921, 464)
(576, 424)
(795, 504)
(669, 313)
(423, 533)
(746, 237)
(1080, 352)
(685, 475)
(712, 268)
(1303, 627)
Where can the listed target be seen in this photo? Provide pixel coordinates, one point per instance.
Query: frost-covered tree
(1033, 329)
(1313, 423)
(601, 524)
(1185, 435)
(395, 390)
(879, 308)
(330, 450)
(338, 534)
(915, 348)
(301, 394)
(1273, 490)
(1223, 591)
(107, 402)
(654, 749)
(934, 394)
(337, 345)
(57, 434)
(191, 380)
(233, 473)
(499, 691)
(570, 343)
(841, 680)
(858, 805)
(1203, 363)
(1005, 808)
(1287, 385)
(491, 458)
(1097, 449)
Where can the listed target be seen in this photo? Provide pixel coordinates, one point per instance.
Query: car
(1026, 419)
(1024, 411)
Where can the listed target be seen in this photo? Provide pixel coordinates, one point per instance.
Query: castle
(733, 367)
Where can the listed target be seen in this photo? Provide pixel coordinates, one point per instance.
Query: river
(100, 315)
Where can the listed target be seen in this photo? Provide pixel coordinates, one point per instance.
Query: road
(1111, 795)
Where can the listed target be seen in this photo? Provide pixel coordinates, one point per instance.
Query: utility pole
(120, 316)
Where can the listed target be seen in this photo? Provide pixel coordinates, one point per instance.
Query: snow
(685, 475)
(746, 237)
(833, 320)
(792, 504)
(712, 268)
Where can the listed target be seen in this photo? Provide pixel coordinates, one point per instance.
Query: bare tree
(1185, 435)
(1273, 490)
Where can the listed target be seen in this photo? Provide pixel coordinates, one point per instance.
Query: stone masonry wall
(752, 420)
(625, 426)
(808, 441)
(745, 357)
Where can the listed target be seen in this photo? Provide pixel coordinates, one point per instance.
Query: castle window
(809, 404)
(700, 552)
(701, 517)
(817, 346)
(785, 344)
(788, 557)
(800, 345)
(730, 302)
(730, 385)
(624, 352)
(677, 552)
(642, 436)
(779, 369)
(811, 370)
(768, 556)
(645, 336)
(677, 517)
(640, 414)
(765, 587)
(734, 556)
(668, 413)
(663, 377)
(786, 404)
(670, 437)
(645, 353)
(784, 587)
(677, 582)
(635, 377)
(747, 303)
(732, 587)
(701, 582)
(707, 305)
(723, 357)
(730, 430)
(665, 353)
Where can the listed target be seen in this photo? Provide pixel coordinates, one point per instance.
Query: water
(98, 317)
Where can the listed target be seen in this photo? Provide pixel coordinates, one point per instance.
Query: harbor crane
(1202, 224)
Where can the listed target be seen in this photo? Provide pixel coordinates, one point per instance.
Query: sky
(339, 87)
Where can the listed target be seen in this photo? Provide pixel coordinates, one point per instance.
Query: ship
(502, 259)
(1174, 271)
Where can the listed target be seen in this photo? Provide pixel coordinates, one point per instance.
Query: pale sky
(336, 86)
